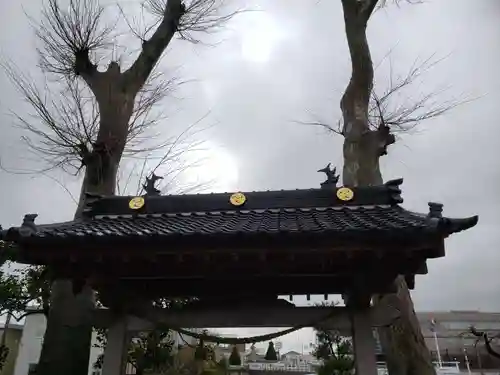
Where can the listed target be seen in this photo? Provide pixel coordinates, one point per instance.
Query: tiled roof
(373, 211)
(288, 220)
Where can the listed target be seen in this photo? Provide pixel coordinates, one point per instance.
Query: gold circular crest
(345, 194)
(136, 203)
(237, 199)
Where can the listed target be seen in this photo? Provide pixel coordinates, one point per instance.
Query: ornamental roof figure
(150, 185)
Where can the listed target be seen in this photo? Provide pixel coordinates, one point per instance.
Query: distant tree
(19, 288)
(234, 358)
(335, 352)
(152, 352)
(271, 353)
(148, 351)
(11, 296)
(487, 341)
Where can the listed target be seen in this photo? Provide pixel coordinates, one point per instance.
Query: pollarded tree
(73, 36)
(364, 144)
(387, 114)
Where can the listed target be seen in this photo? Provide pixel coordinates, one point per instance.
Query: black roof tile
(264, 221)
(316, 211)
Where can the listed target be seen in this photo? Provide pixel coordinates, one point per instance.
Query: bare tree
(62, 126)
(101, 116)
(390, 114)
(487, 341)
(368, 128)
(390, 109)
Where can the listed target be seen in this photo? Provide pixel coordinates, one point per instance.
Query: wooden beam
(338, 318)
(271, 284)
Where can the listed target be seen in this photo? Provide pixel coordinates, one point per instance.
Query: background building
(12, 340)
(454, 341)
(27, 340)
(449, 328)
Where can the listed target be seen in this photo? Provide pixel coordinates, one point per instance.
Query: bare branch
(197, 16)
(399, 112)
(487, 341)
(398, 3)
(138, 31)
(70, 37)
(146, 114)
(394, 111)
(329, 128)
(176, 16)
(363, 9)
(62, 126)
(204, 16)
(171, 161)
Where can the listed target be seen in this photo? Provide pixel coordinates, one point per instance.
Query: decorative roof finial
(435, 210)
(332, 178)
(149, 186)
(28, 226)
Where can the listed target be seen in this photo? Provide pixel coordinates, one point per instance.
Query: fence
(258, 366)
(446, 368)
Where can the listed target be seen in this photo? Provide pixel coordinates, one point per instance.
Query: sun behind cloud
(214, 169)
(260, 33)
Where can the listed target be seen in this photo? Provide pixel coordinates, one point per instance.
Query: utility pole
(433, 329)
(467, 361)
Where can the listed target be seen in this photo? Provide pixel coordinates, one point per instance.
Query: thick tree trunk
(67, 341)
(402, 342)
(66, 347)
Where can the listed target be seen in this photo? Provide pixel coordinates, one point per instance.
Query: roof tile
(373, 209)
(254, 221)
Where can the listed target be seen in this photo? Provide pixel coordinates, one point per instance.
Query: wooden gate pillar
(115, 352)
(362, 334)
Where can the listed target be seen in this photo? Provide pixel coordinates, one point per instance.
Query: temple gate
(331, 240)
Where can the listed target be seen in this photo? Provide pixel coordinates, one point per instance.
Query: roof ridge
(387, 194)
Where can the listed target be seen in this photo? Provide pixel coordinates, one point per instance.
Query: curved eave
(450, 226)
(15, 234)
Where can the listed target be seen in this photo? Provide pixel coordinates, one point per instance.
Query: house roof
(372, 212)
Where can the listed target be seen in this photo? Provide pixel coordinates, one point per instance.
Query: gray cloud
(255, 100)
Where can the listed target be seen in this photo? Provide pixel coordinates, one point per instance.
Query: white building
(293, 358)
(31, 345)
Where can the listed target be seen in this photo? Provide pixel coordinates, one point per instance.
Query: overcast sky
(289, 62)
